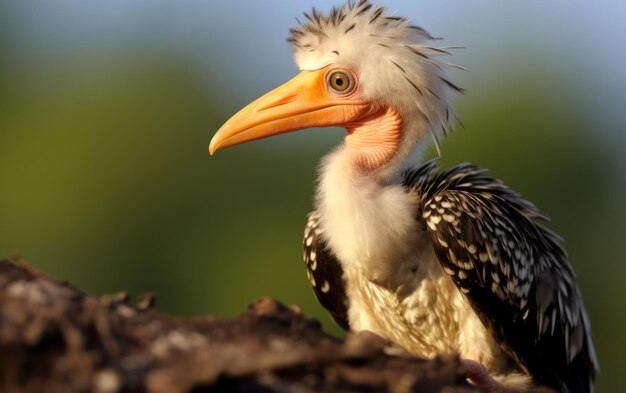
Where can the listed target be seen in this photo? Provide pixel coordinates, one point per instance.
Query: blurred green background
(106, 110)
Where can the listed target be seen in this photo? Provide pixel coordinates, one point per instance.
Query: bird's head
(362, 69)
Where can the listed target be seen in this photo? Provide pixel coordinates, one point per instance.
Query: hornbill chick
(435, 261)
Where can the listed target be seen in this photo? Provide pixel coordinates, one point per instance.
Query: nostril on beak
(281, 101)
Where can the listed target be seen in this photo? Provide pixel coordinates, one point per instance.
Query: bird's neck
(367, 216)
(374, 140)
(379, 145)
(364, 216)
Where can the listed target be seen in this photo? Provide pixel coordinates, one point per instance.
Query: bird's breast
(395, 285)
(417, 313)
(423, 312)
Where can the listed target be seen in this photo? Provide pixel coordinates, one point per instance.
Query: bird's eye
(340, 82)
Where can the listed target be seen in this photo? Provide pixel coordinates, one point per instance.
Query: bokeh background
(107, 107)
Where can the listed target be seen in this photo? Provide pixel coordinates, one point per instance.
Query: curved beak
(302, 102)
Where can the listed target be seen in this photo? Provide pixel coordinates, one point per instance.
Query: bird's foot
(478, 376)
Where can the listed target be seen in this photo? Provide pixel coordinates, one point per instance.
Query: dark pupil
(339, 81)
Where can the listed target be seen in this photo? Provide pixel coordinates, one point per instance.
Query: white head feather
(395, 65)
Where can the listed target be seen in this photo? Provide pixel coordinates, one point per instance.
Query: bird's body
(401, 292)
(393, 283)
(435, 261)
(476, 291)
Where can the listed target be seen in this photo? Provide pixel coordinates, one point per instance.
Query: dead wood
(55, 338)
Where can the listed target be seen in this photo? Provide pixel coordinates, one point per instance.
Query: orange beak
(303, 102)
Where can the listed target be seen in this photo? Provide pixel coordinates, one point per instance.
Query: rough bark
(55, 338)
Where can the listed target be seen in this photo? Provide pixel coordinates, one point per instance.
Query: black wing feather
(325, 273)
(512, 270)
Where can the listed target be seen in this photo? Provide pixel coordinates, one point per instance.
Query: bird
(433, 260)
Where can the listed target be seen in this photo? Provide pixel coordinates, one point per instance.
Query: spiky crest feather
(391, 55)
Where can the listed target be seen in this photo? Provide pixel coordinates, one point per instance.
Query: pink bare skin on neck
(375, 138)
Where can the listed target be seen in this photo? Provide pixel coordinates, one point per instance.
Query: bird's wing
(325, 273)
(512, 270)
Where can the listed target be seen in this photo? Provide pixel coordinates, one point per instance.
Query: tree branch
(55, 338)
